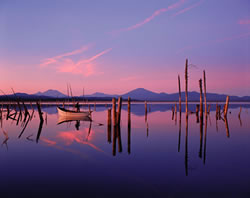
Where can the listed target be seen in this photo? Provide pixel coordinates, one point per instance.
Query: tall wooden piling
(175, 113)
(119, 110)
(205, 141)
(179, 139)
(201, 102)
(114, 126)
(109, 125)
(146, 111)
(186, 86)
(186, 147)
(205, 91)
(179, 85)
(226, 107)
(114, 111)
(129, 126)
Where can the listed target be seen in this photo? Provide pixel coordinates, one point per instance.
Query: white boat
(63, 119)
(72, 114)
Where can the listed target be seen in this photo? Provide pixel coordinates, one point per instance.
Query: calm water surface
(157, 157)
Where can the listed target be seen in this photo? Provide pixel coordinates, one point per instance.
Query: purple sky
(115, 46)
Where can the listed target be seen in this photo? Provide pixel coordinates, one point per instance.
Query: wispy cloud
(63, 63)
(156, 13)
(54, 59)
(244, 22)
(239, 36)
(187, 8)
(84, 66)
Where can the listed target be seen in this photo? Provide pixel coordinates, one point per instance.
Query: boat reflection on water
(77, 119)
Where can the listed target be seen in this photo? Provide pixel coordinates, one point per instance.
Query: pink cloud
(244, 22)
(55, 59)
(156, 13)
(187, 8)
(84, 66)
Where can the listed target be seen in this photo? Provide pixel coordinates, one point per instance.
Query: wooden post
(172, 112)
(186, 147)
(205, 141)
(216, 114)
(146, 111)
(175, 113)
(239, 116)
(186, 86)
(201, 102)
(219, 113)
(114, 111)
(119, 138)
(179, 85)
(119, 110)
(89, 108)
(227, 128)
(179, 139)
(201, 119)
(8, 111)
(129, 126)
(205, 92)
(226, 107)
(114, 126)
(197, 113)
(109, 125)
(39, 111)
(208, 109)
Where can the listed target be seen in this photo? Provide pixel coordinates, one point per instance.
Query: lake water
(158, 157)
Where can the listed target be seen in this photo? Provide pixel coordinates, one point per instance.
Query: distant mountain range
(51, 93)
(136, 94)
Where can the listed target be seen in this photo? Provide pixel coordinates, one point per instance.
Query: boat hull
(72, 114)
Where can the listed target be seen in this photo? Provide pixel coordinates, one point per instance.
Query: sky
(115, 46)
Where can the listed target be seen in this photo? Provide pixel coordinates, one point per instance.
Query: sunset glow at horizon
(117, 46)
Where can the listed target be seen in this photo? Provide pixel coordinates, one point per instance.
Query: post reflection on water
(204, 147)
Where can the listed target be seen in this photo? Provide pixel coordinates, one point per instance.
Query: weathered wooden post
(227, 128)
(109, 125)
(39, 111)
(129, 126)
(219, 113)
(226, 107)
(240, 111)
(186, 86)
(114, 125)
(216, 114)
(175, 113)
(208, 109)
(205, 92)
(205, 141)
(119, 110)
(179, 85)
(201, 102)
(146, 111)
(197, 113)
(172, 112)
